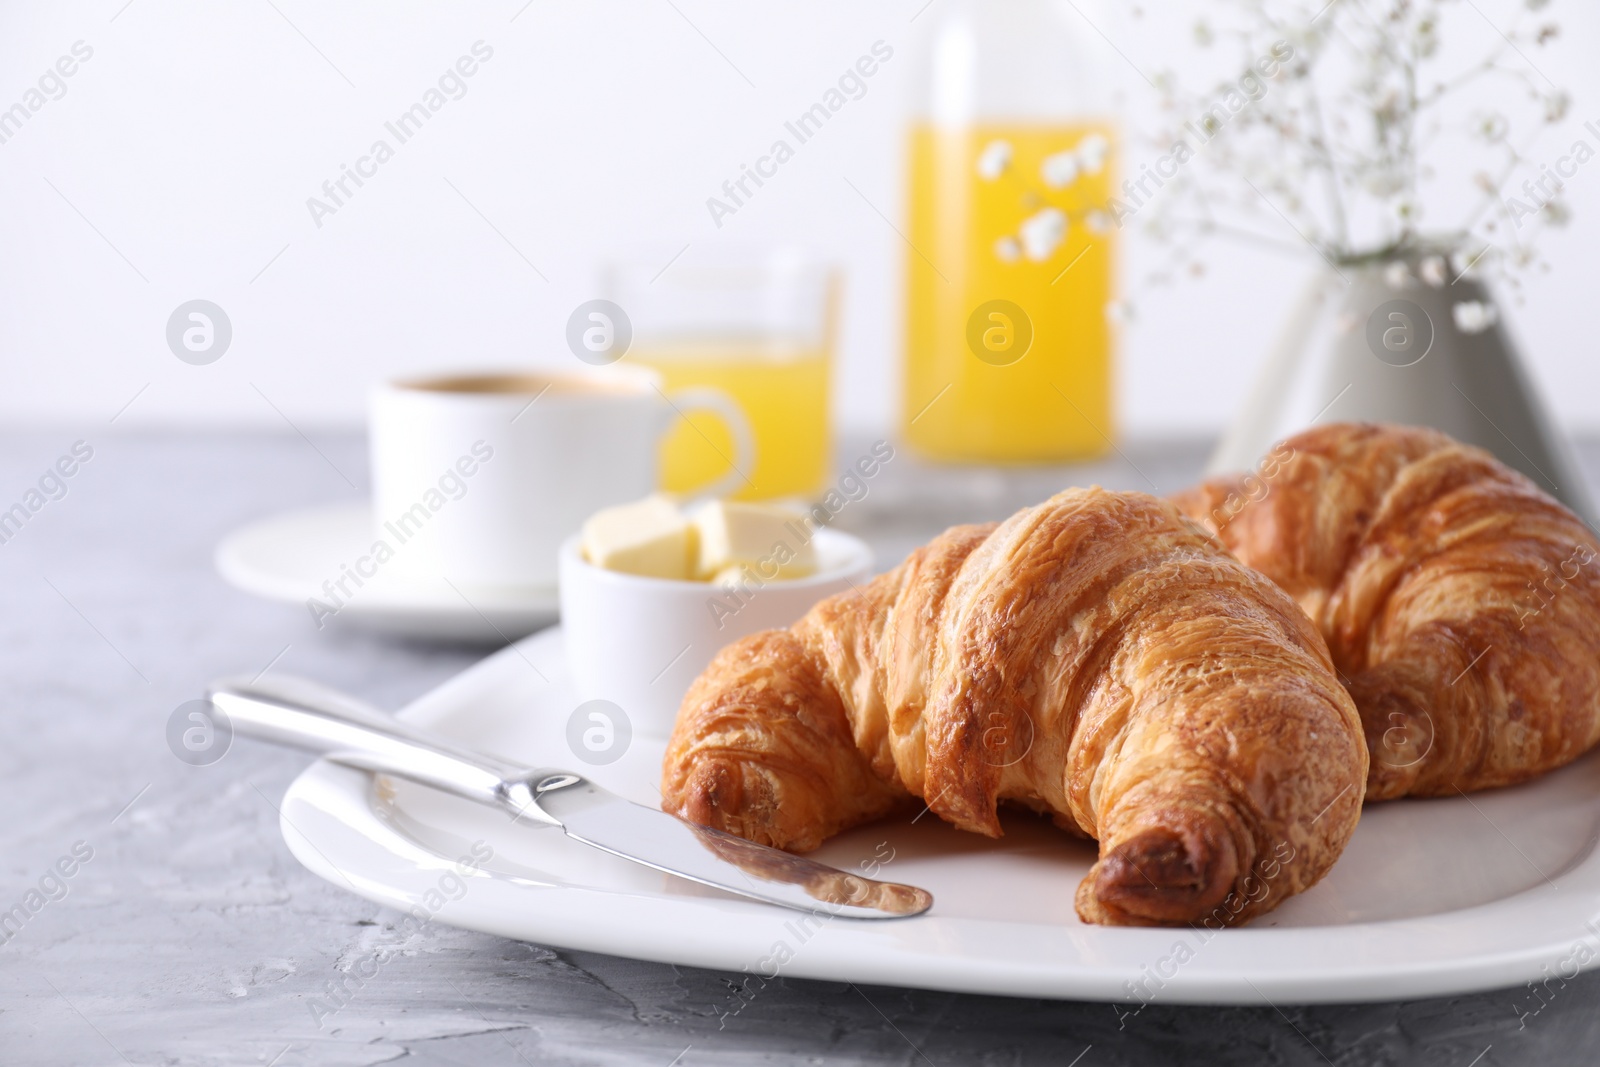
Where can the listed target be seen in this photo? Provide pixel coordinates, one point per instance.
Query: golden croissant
(1098, 658)
(1460, 603)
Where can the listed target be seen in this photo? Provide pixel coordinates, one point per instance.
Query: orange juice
(783, 392)
(1008, 350)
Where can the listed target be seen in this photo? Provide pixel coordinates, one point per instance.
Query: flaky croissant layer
(1096, 657)
(1461, 604)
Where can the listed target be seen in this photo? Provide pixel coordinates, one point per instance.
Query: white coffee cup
(639, 642)
(479, 477)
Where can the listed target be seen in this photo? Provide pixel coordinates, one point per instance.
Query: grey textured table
(192, 937)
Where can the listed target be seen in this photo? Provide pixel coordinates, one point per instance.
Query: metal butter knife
(346, 731)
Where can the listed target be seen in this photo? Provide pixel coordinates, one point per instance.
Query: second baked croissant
(1096, 657)
(1461, 604)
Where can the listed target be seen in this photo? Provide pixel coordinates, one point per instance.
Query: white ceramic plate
(1431, 897)
(289, 557)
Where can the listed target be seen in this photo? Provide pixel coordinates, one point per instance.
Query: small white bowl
(639, 642)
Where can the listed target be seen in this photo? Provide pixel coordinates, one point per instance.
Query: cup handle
(719, 403)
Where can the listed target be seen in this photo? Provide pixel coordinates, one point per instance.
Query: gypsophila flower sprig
(1365, 130)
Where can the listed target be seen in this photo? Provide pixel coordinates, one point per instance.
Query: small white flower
(1059, 170)
(1007, 250)
(1474, 316)
(1043, 233)
(1098, 221)
(1091, 152)
(1397, 275)
(1464, 261)
(1432, 271)
(994, 159)
(1492, 126)
(1383, 183)
(1427, 42)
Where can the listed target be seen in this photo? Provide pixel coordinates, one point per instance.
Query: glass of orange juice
(756, 327)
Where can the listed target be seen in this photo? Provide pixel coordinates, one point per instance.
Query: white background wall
(192, 138)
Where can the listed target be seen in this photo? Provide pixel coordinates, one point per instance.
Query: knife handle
(302, 714)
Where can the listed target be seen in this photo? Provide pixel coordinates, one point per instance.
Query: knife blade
(668, 843)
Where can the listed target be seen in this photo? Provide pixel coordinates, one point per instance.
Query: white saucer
(1431, 898)
(289, 557)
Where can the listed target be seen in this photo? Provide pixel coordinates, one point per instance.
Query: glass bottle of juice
(1010, 261)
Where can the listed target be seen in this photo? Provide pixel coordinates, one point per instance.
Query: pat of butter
(774, 542)
(650, 537)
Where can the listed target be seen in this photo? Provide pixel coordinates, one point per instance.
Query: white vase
(1404, 342)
